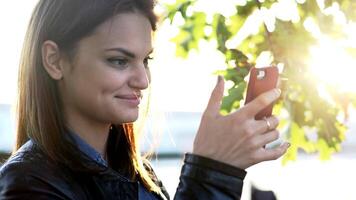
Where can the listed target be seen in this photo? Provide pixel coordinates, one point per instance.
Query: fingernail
(275, 94)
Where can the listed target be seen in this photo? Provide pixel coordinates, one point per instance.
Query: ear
(51, 58)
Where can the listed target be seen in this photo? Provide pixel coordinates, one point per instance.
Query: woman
(83, 67)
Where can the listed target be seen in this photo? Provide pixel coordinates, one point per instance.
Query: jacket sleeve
(204, 178)
(16, 182)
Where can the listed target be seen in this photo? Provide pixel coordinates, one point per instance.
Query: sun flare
(332, 65)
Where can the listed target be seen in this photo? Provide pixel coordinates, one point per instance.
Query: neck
(93, 133)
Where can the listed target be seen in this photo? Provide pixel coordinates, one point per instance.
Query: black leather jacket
(30, 175)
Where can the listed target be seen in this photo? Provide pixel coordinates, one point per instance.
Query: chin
(125, 119)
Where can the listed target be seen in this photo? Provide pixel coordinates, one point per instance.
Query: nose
(140, 78)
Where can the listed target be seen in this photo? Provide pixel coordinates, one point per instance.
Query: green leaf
(232, 100)
(289, 44)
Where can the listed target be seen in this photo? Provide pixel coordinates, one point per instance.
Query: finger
(267, 124)
(261, 102)
(216, 97)
(273, 154)
(268, 137)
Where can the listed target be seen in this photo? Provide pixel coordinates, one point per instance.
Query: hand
(238, 139)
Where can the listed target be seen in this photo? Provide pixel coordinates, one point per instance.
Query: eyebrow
(126, 52)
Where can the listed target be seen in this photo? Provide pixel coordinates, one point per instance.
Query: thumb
(216, 97)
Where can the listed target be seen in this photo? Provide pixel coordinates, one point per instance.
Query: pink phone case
(261, 80)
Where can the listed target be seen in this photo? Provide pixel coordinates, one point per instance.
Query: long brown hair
(40, 115)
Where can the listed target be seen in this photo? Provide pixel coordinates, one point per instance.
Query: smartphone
(262, 80)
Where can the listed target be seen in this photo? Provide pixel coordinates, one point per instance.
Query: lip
(130, 96)
(130, 99)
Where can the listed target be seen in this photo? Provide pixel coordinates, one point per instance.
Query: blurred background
(312, 42)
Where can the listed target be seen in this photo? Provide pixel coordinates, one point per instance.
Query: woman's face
(103, 82)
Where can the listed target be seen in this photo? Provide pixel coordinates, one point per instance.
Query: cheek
(100, 97)
(100, 79)
(110, 82)
(93, 83)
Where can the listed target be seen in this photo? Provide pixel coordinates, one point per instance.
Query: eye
(119, 62)
(146, 61)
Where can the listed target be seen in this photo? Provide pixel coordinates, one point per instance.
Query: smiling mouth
(133, 100)
(129, 97)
